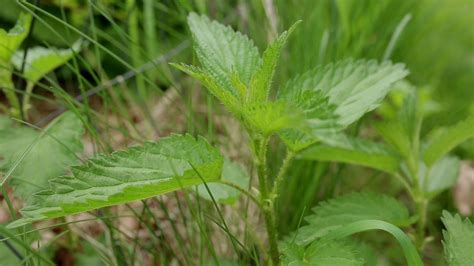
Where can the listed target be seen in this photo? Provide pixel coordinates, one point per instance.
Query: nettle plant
(309, 114)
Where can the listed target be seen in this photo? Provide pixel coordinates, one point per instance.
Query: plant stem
(267, 201)
(262, 167)
(26, 98)
(9, 90)
(269, 215)
(422, 208)
(281, 173)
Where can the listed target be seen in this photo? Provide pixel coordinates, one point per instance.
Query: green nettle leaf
(233, 72)
(40, 61)
(402, 131)
(62, 138)
(354, 151)
(441, 176)
(347, 209)
(269, 117)
(318, 114)
(323, 252)
(392, 133)
(458, 240)
(221, 51)
(11, 40)
(260, 83)
(347, 90)
(172, 163)
(222, 193)
(448, 139)
(410, 118)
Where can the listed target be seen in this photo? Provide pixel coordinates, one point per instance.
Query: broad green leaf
(10, 41)
(458, 240)
(48, 154)
(221, 51)
(270, 117)
(354, 151)
(13, 139)
(345, 90)
(260, 84)
(341, 211)
(448, 139)
(40, 61)
(393, 133)
(318, 114)
(441, 176)
(323, 253)
(172, 163)
(222, 193)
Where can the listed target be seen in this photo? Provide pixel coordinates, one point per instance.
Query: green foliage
(409, 250)
(270, 117)
(173, 163)
(28, 153)
(345, 90)
(231, 172)
(323, 252)
(458, 240)
(441, 176)
(210, 82)
(392, 133)
(310, 114)
(329, 98)
(449, 138)
(233, 72)
(21, 248)
(260, 84)
(338, 212)
(10, 41)
(40, 61)
(402, 131)
(354, 151)
(221, 51)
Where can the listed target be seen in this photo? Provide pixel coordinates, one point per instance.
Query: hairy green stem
(262, 167)
(421, 200)
(269, 215)
(281, 173)
(422, 208)
(267, 201)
